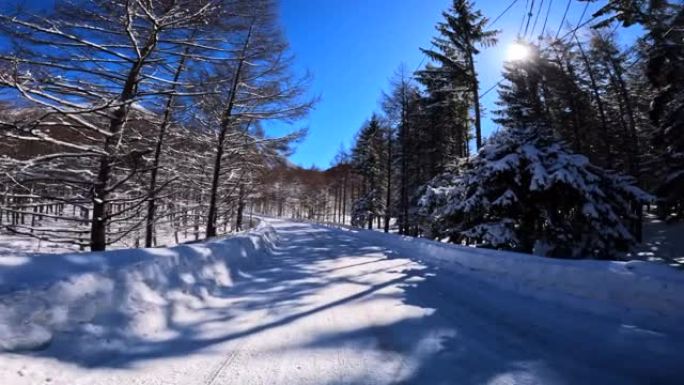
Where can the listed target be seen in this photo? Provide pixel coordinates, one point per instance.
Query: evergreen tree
(526, 191)
(400, 107)
(462, 30)
(666, 73)
(610, 63)
(664, 22)
(444, 121)
(368, 159)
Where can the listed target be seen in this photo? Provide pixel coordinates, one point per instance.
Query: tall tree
(526, 191)
(115, 133)
(89, 65)
(663, 21)
(368, 159)
(462, 31)
(399, 106)
(256, 85)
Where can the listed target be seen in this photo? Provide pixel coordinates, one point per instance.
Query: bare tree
(255, 86)
(89, 71)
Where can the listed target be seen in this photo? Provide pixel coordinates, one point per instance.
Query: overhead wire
(546, 19)
(529, 15)
(522, 21)
(580, 25)
(536, 18)
(565, 14)
(502, 13)
(421, 62)
(584, 12)
(529, 18)
(490, 89)
(490, 25)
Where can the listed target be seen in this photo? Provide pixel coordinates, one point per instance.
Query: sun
(517, 52)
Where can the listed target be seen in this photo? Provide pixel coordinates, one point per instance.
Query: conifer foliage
(526, 191)
(664, 52)
(454, 49)
(368, 159)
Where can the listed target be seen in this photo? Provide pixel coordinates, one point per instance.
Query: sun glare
(517, 52)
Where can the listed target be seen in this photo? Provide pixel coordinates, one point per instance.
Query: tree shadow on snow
(476, 333)
(470, 333)
(278, 281)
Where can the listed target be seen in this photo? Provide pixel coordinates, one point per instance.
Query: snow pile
(60, 293)
(635, 290)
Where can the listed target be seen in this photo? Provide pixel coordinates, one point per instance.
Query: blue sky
(352, 48)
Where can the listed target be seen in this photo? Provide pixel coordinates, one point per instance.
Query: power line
(522, 21)
(503, 13)
(489, 25)
(421, 62)
(579, 26)
(565, 14)
(573, 31)
(490, 89)
(546, 19)
(584, 12)
(536, 17)
(529, 18)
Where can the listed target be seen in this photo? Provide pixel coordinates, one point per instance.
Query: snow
(297, 303)
(663, 242)
(49, 293)
(637, 290)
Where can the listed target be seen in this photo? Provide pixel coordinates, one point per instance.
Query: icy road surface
(327, 307)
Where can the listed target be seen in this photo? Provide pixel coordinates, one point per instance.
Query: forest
(590, 136)
(123, 121)
(140, 124)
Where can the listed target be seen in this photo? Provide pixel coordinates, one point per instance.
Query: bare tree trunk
(152, 199)
(344, 197)
(403, 226)
(98, 232)
(98, 229)
(599, 103)
(476, 99)
(388, 198)
(225, 125)
(240, 208)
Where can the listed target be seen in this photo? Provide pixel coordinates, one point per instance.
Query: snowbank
(49, 293)
(636, 290)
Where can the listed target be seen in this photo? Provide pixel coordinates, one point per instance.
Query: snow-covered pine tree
(526, 191)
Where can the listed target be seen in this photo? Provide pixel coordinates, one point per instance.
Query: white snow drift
(294, 303)
(635, 290)
(48, 293)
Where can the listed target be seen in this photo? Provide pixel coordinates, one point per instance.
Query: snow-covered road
(329, 307)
